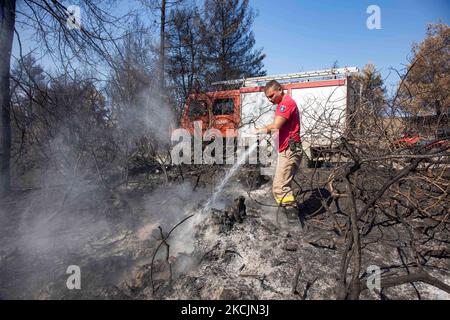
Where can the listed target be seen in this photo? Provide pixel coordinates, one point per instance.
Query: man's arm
(276, 124)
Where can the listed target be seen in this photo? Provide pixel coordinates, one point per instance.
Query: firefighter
(287, 122)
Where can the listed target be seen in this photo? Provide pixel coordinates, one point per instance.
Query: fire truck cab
(219, 110)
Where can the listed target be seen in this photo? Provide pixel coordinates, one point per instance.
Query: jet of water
(218, 189)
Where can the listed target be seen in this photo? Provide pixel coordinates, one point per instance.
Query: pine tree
(184, 67)
(369, 93)
(426, 87)
(371, 90)
(229, 42)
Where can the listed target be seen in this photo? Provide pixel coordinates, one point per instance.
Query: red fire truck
(323, 98)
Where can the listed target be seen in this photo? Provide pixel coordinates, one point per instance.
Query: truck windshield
(197, 108)
(223, 106)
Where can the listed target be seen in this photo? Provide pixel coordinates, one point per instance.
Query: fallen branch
(163, 241)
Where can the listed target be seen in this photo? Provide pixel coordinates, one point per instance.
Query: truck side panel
(323, 113)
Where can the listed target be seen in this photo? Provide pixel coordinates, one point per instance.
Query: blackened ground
(113, 238)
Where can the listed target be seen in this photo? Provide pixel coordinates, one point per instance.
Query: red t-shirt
(287, 109)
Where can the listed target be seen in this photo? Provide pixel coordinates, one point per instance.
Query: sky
(305, 35)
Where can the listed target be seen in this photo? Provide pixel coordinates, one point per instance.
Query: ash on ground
(243, 248)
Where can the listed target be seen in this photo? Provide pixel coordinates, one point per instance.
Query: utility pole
(161, 45)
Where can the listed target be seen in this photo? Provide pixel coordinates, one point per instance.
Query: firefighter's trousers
(287, 166)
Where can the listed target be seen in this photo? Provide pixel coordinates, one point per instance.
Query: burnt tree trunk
(7, 19)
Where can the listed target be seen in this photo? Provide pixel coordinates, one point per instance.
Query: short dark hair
(272, 84)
